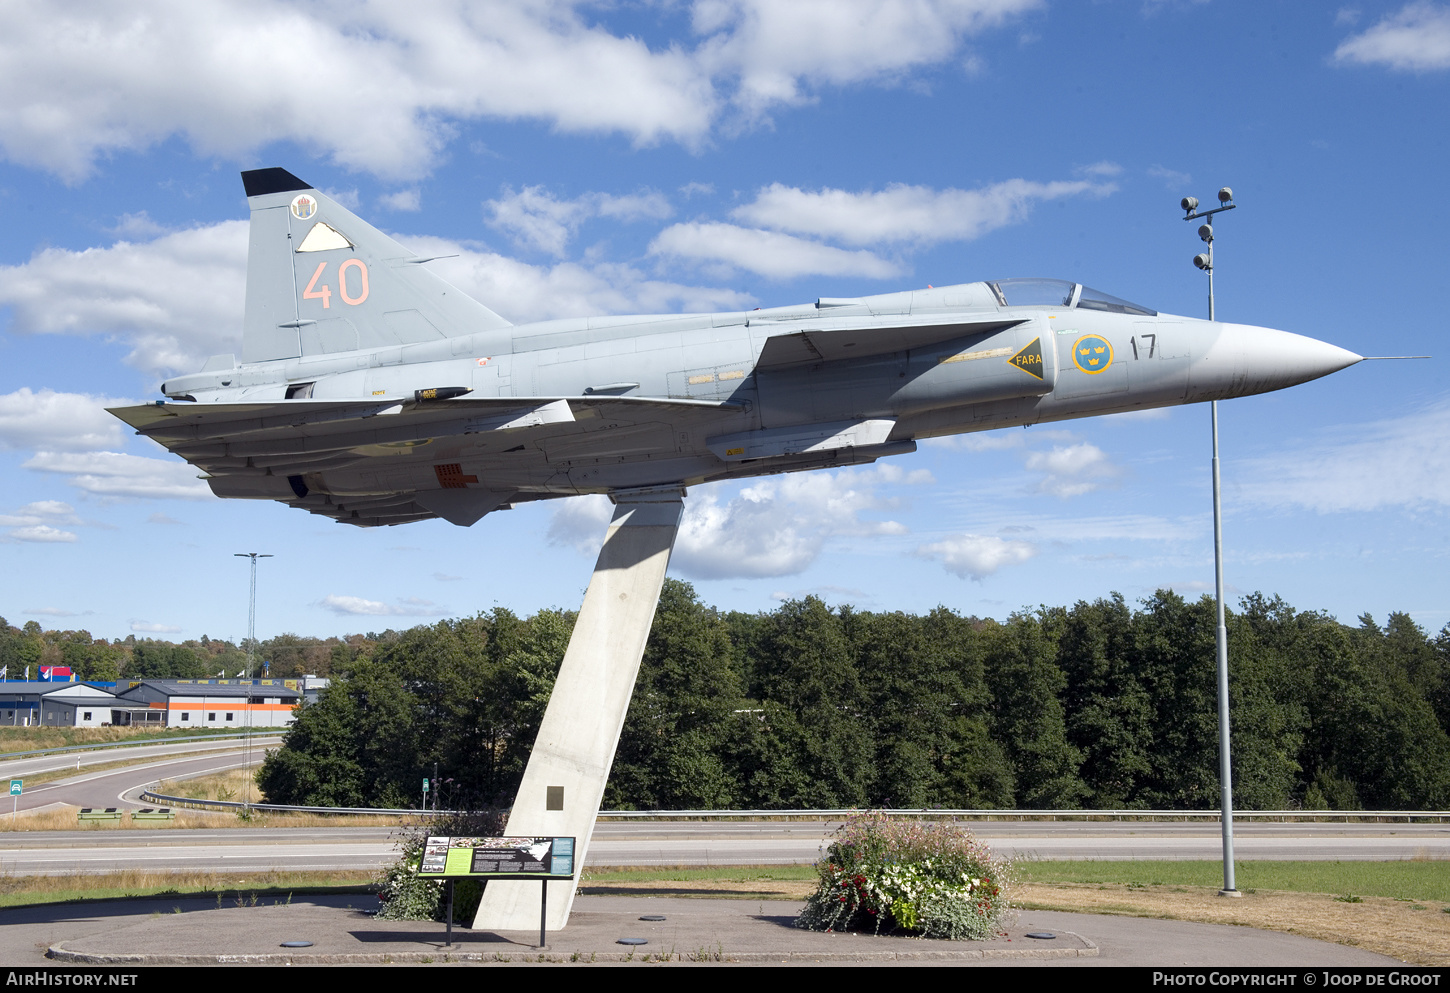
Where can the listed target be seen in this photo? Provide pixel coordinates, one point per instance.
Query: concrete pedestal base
(564, 780)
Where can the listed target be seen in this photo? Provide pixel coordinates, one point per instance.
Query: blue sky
(639, 157)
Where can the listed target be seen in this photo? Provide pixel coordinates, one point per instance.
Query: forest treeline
(91, 658)
(1095, 705)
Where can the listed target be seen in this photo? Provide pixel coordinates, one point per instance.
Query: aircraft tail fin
(320, 279)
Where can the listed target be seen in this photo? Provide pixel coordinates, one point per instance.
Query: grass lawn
(27, 739)
(230, 888)
(1410, 880)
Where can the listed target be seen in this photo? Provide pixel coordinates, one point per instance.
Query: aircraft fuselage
(449, 411)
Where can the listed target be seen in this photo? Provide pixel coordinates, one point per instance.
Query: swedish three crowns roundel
(1092, 354)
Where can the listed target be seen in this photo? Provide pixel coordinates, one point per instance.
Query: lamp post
(1204, 261)
(251, 653)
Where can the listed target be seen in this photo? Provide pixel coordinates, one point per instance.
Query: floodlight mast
(251, 652)
(252, 609)
(1225, 766)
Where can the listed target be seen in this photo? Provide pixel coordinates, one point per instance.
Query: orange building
(209, 703)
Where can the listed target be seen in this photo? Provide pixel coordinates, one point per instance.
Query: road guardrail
(1410, 816)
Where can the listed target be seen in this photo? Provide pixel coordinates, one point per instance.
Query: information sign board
(498, 858)
(15, 786)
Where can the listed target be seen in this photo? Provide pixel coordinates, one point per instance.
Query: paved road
(119, 787)
(756, 843)
(20, 768)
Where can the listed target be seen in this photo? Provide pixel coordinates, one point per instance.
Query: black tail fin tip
(260, 182)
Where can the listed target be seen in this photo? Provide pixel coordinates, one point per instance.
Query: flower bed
(928, 879)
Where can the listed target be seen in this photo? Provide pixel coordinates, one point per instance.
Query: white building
(35, 704)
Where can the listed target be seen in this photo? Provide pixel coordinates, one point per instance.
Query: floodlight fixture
(1205, 231)
(1189, 204)
(1225, 195)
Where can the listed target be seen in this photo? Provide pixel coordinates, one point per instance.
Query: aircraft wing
(266, 450)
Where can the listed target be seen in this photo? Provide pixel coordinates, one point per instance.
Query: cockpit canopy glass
(1033, 292)
(1091, 299)
(1059, 293)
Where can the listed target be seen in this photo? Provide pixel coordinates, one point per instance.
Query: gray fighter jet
(371, 391)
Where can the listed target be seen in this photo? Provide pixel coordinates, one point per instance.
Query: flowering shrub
(930, 879)
(406, 896)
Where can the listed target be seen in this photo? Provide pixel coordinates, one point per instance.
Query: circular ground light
(653, 917)
(1041, 934)
(632, 941)
(296, 944)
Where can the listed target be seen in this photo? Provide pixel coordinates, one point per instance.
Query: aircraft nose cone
(1247, 359)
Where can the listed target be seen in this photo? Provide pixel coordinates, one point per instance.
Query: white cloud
(1072, 470)
(579, 523)
(36, 522)
(353, 605)
(41, 511)
(768, 253)
(534, 219)
(648, 205)
(1075, 530)
(380, 86)
(776, 527)
(372, 84)
(915, 214)
(401, 200)
(137, 225)
(148, 628)
(523, 292)
(539, 221)
(117, 475)
(780, 51)
(52, 612)
(975, 556)
(349, 198)
(63, 421)
(1172, 179)
(177, 298)
(1416, 39)
(42, 533)
(1398, 462)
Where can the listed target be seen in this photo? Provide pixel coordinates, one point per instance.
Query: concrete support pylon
(564, 780)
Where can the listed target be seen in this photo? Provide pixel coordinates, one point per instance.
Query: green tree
(1108, 711)
(675, 749)
(1027, 714)
(804, 663)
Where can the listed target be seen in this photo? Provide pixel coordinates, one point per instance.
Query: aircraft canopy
(1061, 293)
